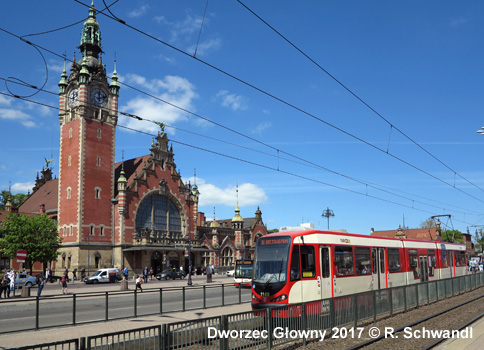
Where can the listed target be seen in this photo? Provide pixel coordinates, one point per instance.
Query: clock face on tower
(99, 97)
(73, 97)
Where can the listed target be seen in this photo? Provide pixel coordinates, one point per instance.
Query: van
(104, 275)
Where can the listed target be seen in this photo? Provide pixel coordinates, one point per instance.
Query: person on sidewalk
(145, 274)
(74, 275)
(126, 273)
(41, 283)
(64, 283)
(139, 282)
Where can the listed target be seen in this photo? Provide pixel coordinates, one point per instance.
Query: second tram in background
(295, 267)
(243, 272)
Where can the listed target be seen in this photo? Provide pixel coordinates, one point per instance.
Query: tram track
(451, 313)
(411, 331)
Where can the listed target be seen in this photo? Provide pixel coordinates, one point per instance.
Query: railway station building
(136, 213)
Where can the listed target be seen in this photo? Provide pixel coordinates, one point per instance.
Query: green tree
(36, 234)
(452, 236)
(274, 230)
(15, 199)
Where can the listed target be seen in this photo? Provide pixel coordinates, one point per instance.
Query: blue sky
(303, 144)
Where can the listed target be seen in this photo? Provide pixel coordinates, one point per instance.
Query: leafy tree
(15, 199)
(452, 236)
(274, 230)
(36, 234)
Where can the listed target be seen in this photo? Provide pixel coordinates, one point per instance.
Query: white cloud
(233, 101)
(204, 47)
(16, 115)
(5, 100)
(138, 12)
(211, 195)
(261, 127)
(173, 89)
(23, 187)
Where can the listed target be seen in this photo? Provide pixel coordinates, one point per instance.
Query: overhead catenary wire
(392, 126)
(365, 194)
(286, 103)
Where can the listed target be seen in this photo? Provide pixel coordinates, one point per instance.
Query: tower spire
(91, 35)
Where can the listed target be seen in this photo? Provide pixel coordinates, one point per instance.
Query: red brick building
(135, 213)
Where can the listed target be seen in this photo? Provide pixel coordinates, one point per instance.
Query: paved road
(87, 303)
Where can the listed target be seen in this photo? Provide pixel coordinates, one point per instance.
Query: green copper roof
(91, 35)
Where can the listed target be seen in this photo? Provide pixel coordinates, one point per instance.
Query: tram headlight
(279, 298)
(254, 297)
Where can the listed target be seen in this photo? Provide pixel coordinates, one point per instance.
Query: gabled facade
(137, 213)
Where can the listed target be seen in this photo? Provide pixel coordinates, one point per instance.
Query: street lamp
(114, 201)
(327, 214)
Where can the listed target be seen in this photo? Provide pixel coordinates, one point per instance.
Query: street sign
(21, 255)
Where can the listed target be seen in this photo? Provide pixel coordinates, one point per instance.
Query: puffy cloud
(211, 195)
(173, 89)
(23, 187)
(233, 101)
(16, 115)
(261, 127)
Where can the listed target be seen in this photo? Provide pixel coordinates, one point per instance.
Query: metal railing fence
(83, 308)
(278, 325)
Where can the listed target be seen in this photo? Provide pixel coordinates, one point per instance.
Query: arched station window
(154, 212)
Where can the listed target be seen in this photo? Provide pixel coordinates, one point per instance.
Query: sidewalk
(24, 338)
(69, 332)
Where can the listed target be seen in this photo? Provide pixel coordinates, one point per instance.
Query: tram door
(325, 284)
(378, 257)
(424, 268)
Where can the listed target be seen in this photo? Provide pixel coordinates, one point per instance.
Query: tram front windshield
(270, 262)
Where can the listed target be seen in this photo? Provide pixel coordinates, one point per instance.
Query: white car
(230, 273)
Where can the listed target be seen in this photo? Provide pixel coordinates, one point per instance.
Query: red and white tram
(294, 267)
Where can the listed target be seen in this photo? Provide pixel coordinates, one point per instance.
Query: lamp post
(327, 214)
(164, 191)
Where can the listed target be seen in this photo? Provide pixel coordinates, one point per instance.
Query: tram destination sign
(274, 241)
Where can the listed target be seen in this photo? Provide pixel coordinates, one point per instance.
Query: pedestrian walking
(48, 275)
(151, 273)
(74, 275)
(139, 282)
(41, 283)
(126, 273)
(64, 283)
(83, 274)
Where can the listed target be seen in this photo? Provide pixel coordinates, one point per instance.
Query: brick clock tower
(88, 113)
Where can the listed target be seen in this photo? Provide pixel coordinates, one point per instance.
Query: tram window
(325, 262)
(431, 262)
(344, 261)
(444, 262)
(394, 260)
(413, 262)
(295, 270)
(460, 259)
(362, 259)
(307, 261)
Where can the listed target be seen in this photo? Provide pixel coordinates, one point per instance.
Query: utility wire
(268, 167)
(287, 103)
(392, 126)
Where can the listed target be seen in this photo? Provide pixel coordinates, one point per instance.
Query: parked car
(171, 273)
(23, 279)
(230, 273)
(104, 276)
